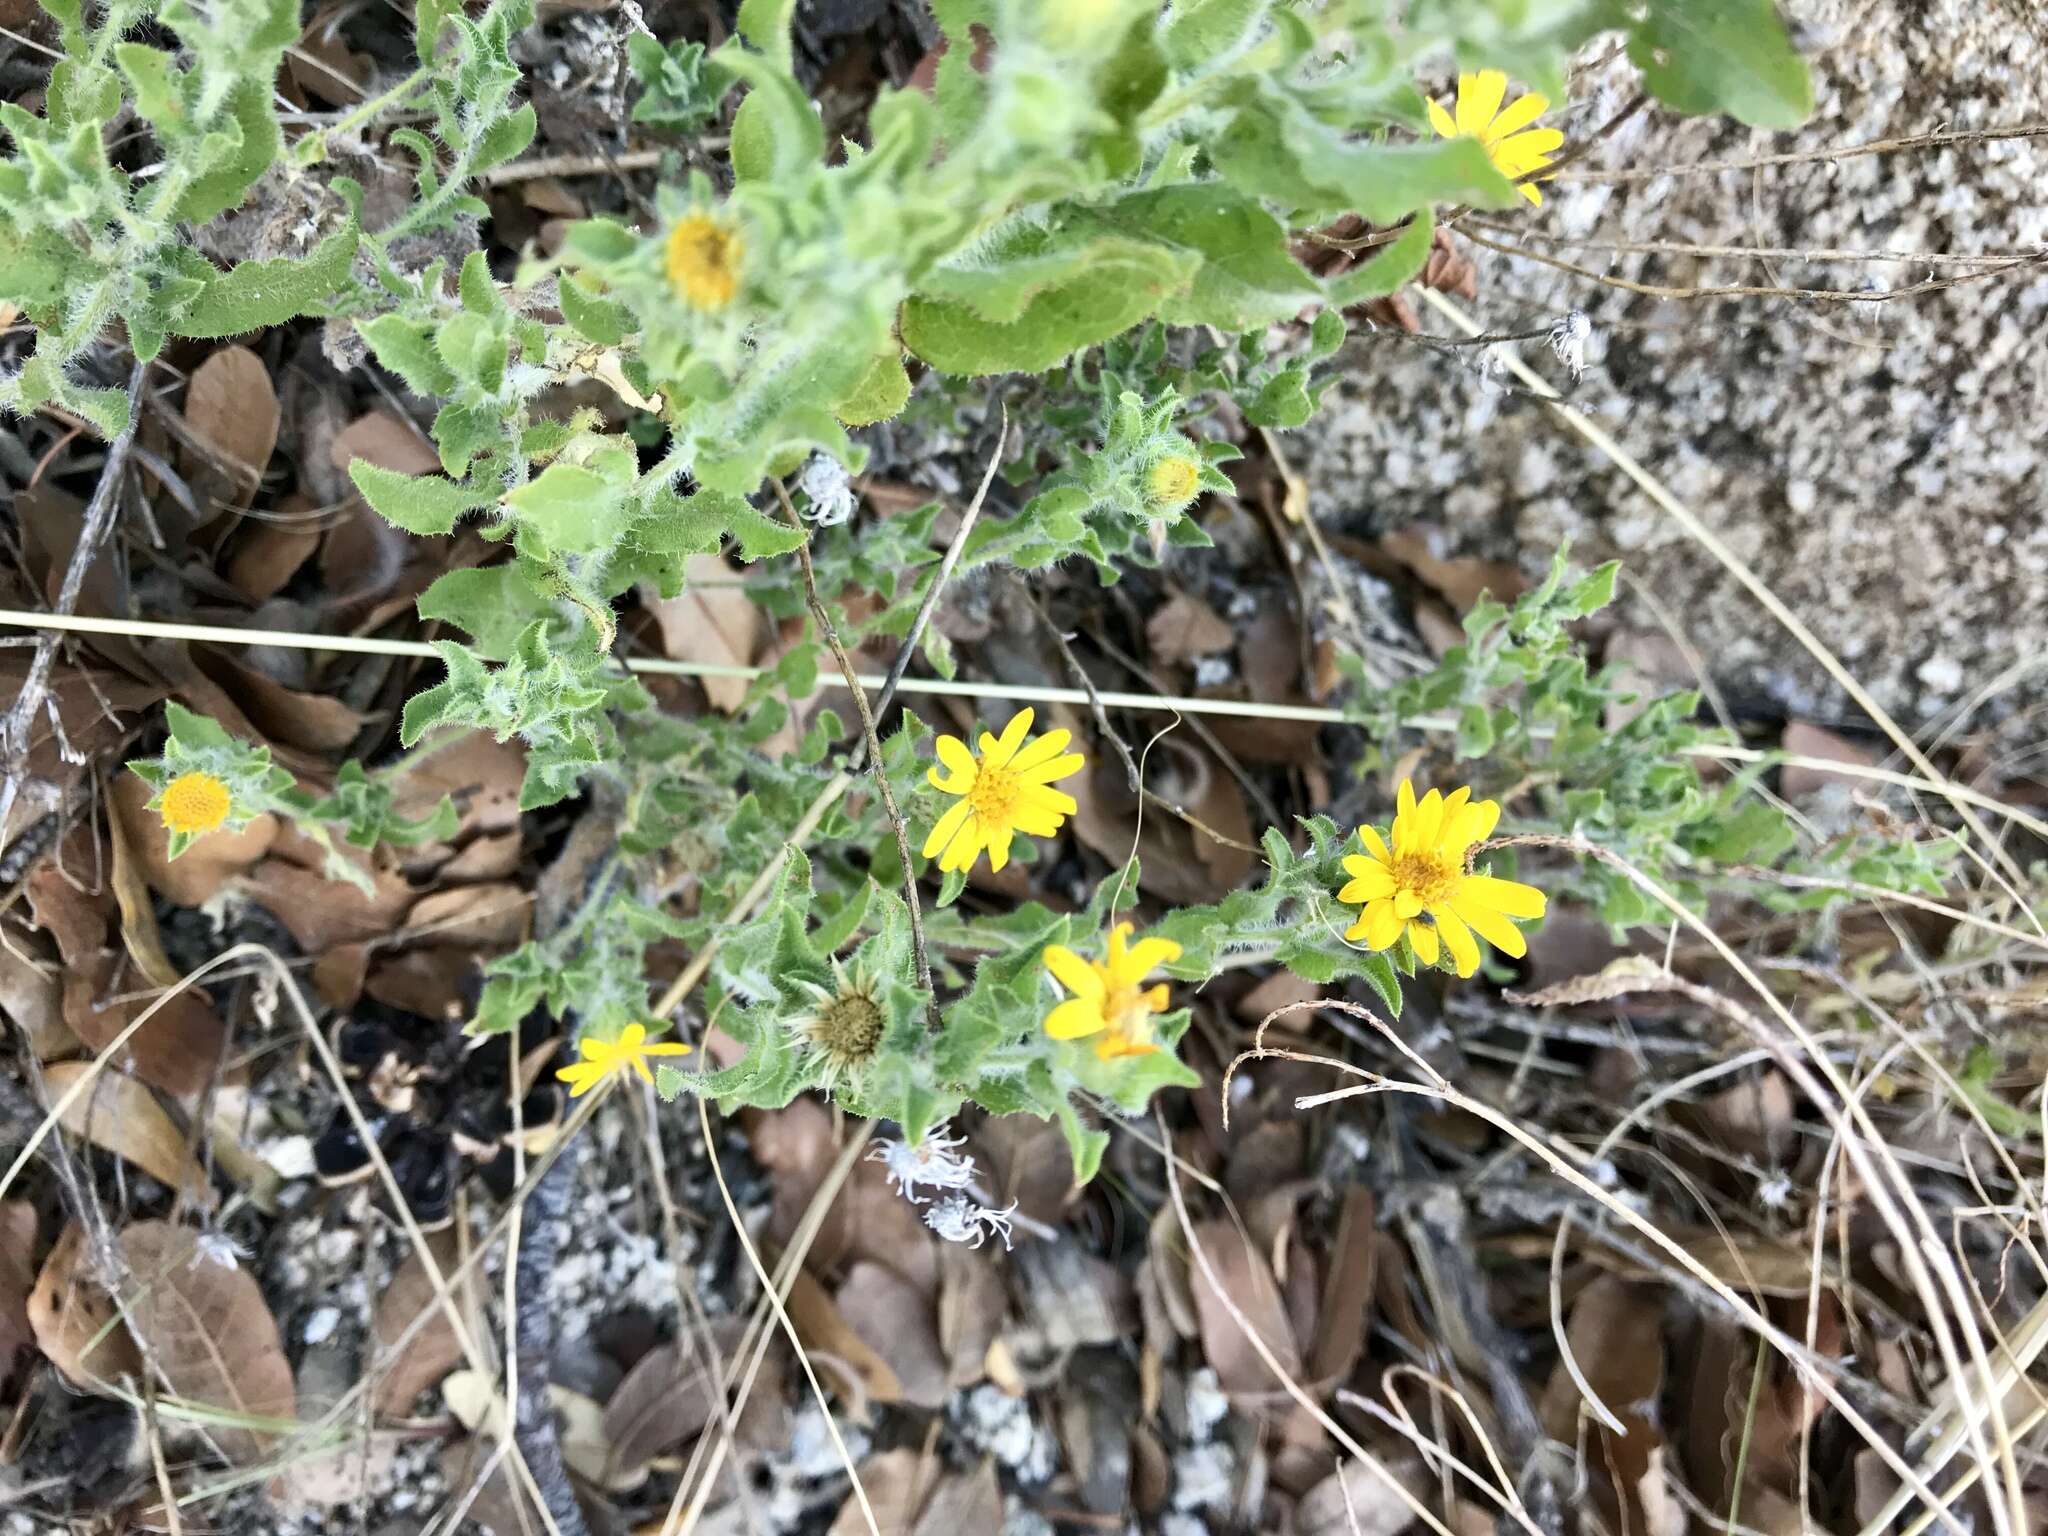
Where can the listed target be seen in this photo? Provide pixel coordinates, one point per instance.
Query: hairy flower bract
(1514, 148)
(1110, 998)
(1004, 791)
(195, 803)
(1423, 876)
(603, 1058)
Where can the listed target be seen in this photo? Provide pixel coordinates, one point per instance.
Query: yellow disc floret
(195, 803)
(704, 261)
(1172, 482)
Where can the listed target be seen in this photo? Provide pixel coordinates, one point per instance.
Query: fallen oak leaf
(119, 1115)
(76, 1325)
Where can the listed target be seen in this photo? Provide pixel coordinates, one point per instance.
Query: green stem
(312, 148)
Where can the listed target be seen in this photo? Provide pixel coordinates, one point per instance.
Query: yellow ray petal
(1075, 1019)
(1479, 99)
(1005, 746)
(1147, 955)
(1509, 896)
(1072, 972)
(1423, 937)
(1457, 938)
(1051, 770)
(1492, 927)
(1382, 924)
(1442, 122)
(948, 824)
(1058, 801)
(1043, 750)
(1519, 113)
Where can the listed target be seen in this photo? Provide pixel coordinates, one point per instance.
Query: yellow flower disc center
(1173, 481)
(703, 261)
(194, 803)
(1431, 880)
(995, 793)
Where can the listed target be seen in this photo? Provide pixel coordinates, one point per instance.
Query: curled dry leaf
(1244, 1277)
(32, 996)
(121, 1116)
(76, 1324)
(1804, 739)
(972, 1304)
(413, 1359)
(212, 1335)
(891, 1482)
(824, 1332)
(1616, 1336)
(668, 1397)
(494, 916)
(315, 1482)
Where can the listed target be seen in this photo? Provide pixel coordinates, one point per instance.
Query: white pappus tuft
(218, 1249)
(958, 1219)
(931, 1164)
(824, 482)
(1568, 338)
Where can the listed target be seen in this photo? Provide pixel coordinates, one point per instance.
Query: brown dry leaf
(179, 1046)
(1244, 1276)
(76, 1326)
(139, 935)
(1616, 1335)
(1177, 861)
(268, 553)
(972, 1305)
(1184, 627)
(17, 1279)
(896, 1321)
(197, 876)
(1754, 1117)
(495, 916)
(892, 1482)
(323, 67)
(32, 995)
(1345, 1313)
(231, 406)
(1804, 739)
(1460, 581)
(668, 1397)
(963, 1502)
(869, 1220)
(712, 620)
(387, 442)
(1355, 1500)
(1743, 1261)
(824, 1332)
(313, 1483)
(433, 1349)
(480, 773)
(283, 717)
(321, 913)
(1027, 1162)
(490, 857)
(120, 1115)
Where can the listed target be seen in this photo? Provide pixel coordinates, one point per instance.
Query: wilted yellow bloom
(1514, 153)
(1423, 875)
(195, 803)
(704, 261)
(1110, 996)
(602, 1058)
(1005, 791)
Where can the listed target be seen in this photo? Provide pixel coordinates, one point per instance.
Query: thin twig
(1756, 290)
(92, 533)
(929, 606)
(877, 770)
(1804, 157)
(1771, 252)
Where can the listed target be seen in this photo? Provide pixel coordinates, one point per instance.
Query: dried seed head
(845, 1027)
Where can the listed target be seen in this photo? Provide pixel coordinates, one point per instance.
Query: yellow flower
(1006, 791)
(602, 1058)
(1172, 481)
(704, 261)
(195, 803)
(1425, 874)
(1110, 998)
(1514, 153)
